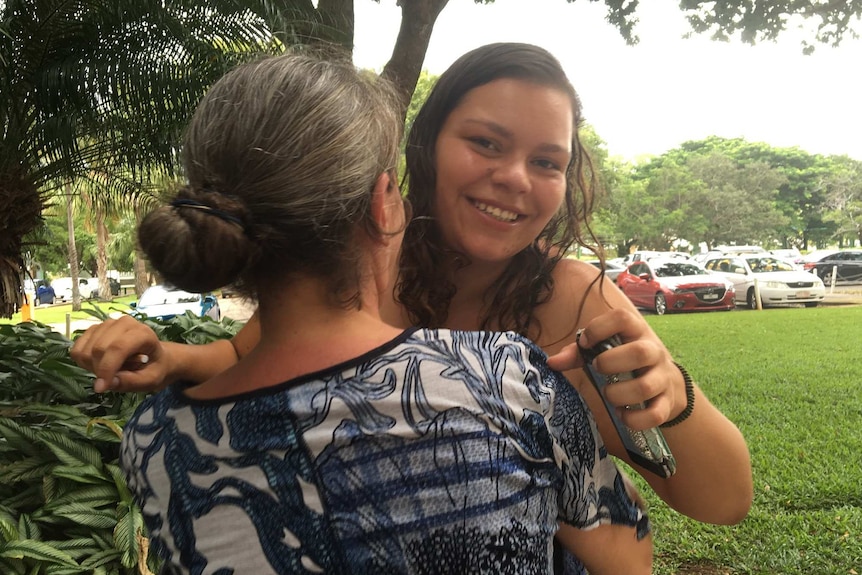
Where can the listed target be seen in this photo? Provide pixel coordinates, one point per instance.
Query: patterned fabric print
(444, 452)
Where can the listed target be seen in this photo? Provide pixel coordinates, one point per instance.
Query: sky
(649, 98)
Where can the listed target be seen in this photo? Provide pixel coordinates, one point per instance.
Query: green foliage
(764, 21)
(732, 191)
(64, 504)
(789, 379)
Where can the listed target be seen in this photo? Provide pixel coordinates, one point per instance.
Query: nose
(512, 174)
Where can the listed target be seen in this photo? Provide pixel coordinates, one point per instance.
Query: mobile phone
(648, 447)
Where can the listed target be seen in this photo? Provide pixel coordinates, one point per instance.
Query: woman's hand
(124, 354)
(657, 382)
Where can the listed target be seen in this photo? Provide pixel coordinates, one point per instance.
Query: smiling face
(501, 159)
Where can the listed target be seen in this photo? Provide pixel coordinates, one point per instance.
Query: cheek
(553, 199)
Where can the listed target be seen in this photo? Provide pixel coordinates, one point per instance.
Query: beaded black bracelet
(689, 399)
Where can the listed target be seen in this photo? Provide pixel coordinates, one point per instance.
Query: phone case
(647, 448)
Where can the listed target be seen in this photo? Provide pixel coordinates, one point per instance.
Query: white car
(63, 288)
(165, 302)
(778, 280)
(646, 255)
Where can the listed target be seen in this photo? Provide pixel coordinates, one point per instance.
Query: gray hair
(284, 152)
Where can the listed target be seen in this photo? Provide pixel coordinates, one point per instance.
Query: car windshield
(677, 269)
(759, 265)
(160, 296)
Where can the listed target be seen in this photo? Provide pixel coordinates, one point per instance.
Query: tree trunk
(142, 281)
(405, 65)
(102, 253)
(20, 213)
(72, 250)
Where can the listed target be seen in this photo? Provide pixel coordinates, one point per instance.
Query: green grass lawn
(791, 379)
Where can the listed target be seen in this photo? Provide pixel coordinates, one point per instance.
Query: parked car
(93, 286)
(63, 288)
(847, 262)
(612, 269)
(640, 255)
(42, 291)
(727, 250)
(673, 285)
(165, 302)
(778, 281)
(790, 254)
(87, 287)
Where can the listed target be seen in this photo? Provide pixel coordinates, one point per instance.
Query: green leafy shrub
(64, 504)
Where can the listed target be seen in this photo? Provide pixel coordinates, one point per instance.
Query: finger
(653, 415)
(635, 357)
(143, 380)
(81, 350)
(627, 325)
(567, 358)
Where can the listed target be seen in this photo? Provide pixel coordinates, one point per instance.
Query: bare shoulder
(563, 313)
(580, 293)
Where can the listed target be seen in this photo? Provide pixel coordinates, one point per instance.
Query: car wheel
(751, 299)
(811, 304)
(826, 275)
(660, 304)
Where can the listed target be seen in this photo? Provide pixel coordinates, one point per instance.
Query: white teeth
(496, 213)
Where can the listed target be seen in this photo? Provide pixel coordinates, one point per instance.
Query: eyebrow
(506, 133)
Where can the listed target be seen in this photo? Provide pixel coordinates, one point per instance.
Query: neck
(473, 283)
(305, 313)
(303, 330)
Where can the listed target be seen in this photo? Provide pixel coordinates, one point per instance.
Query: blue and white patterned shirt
(439, 452)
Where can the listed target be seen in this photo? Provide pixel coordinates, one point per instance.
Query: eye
(484, 143)
(547, 164)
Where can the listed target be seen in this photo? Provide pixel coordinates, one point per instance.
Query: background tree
(764, 21)
(843, 189)
(738, 202)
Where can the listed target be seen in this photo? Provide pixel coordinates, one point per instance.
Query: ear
(387, 207)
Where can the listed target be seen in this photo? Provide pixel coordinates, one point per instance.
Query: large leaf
(87, 474)
(8, 526)
(127, 533)
(85, 515)
(36, 550)
(27, 469)
(104, 557)
(95, 496)
(71, 452)
(19, 437)
(27, 528)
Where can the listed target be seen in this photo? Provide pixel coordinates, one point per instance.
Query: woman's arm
(113, 351)
(713, 481)
(608, 549)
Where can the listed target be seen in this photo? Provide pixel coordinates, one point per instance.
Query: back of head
(281, 157)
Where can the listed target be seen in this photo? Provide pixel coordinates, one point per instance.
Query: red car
(673, 285)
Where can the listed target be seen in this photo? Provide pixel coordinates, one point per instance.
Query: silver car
(778, 281)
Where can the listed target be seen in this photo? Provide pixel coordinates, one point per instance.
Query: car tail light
(808, 266)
